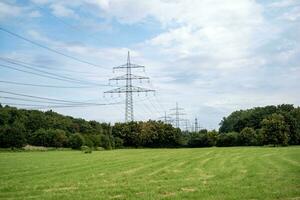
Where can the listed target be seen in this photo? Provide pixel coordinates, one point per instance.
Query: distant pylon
(177, 115)
(128, 89)
(166, 118)
(196, 125)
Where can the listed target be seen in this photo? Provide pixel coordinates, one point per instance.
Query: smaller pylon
(177, 115)
(196, 125)
(166, 118)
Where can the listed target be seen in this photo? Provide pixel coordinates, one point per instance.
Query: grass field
(206, 173)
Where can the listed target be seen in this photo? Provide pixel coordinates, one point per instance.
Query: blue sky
(212, 57)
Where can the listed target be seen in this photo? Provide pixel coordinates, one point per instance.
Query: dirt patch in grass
(168, 194)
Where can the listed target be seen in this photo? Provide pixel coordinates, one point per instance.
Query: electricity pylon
(166, 118)
(177, 115)
(128, 88)
(196, 125)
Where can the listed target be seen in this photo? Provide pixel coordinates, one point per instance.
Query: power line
(158, 101)
(15, 62)
(49, 49)
(34, 106)
(48, 68)
(29, 72)
(44, 101)
(58, 106)
(41, 75)
(57, 76)
(46, 86)
(45, 98)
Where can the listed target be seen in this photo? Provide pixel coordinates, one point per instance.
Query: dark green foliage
(275, 130)
(76, 141)
(276, 125)
(248, 137)
(39, 138)
(118, 143)
(198, 140)
(203, 138)
(12, 136)
(148, 134)
(50, 129)
(49, 138)
(228, 139)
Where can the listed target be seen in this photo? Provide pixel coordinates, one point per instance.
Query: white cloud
(7, 10)
(284, 3)
(35, 13)
(293, 14)
(62, 11)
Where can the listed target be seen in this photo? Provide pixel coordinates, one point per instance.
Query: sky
(211, 56)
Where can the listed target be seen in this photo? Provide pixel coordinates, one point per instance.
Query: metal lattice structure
(196, 125)
(177, 115)
(129, 88)
(166, 119)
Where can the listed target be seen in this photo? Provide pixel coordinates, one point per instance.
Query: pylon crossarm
(125, 89)
(128, 76)
(130, 65)
(174, 114)
(177, 109)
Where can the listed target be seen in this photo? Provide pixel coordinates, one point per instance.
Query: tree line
(269, 125)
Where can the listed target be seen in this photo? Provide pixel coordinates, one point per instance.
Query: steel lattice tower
(196, 125)
(129, 88)
(166, 118)
(177, 115)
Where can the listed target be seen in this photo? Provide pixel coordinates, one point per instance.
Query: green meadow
(200, 173)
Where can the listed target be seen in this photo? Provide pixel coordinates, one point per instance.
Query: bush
(118, 142)
(227, 139)
(106, 142)
(76, 141)
(88, 142)
(199, 140)
(275, 130)
(49, 138)
(14, 136)
(86, 149)
(248, 137)
(39, 138)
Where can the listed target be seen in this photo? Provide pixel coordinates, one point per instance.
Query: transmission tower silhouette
(177, 115)
(129, 88)
(166, 118)
(196, 125)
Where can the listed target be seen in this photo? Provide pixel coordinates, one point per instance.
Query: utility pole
(177, 115)
(128, 88)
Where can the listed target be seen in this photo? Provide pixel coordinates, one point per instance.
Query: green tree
(39, 138)
(12, 136)
(248, 137)
(275, 130)
(212, 137)
(76, 141)
(227, 139)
